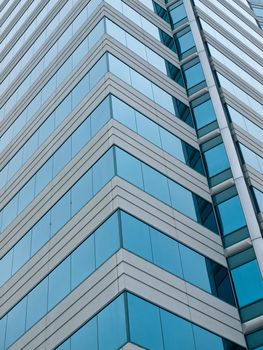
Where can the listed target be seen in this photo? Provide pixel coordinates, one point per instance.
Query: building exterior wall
(131, 175)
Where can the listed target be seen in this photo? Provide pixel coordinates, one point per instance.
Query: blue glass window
(83, 257)
(185, 42)
(107, 240)
(16, 322)
(59, 283)
(37, 303)
(194, 75)
(178, 14)
(136, 236)
(176, 331)
(144, 321)
(204, 114)
(248, 283)
(112, 331)
(216, 160)
(86, 337)
(231, 216)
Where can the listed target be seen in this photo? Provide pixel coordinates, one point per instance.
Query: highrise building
(131, 192)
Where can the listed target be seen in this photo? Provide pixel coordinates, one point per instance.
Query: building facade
(131, 175)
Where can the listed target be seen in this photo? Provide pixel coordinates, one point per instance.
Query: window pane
(61, 157)
(16, 322)
(123, 113)
(21, 252)
(145, 323)
(2, 332)
(248, 283)
(129, 168)
(182, 200)
(205, 340)
(176, 331)
(111, 319)
(194, 75)
(60, 213)
(44, 175)
(148, 130)
(81, 192)
(107, 239)
(166, 252)
(156, 184)
(231, 215)
(103, 171)
(136, 236)
(65, 346)
(6, 267)
(81, 137)
(40, 233)
(37, 303)
(216, 160)
(59, 283)
(204, 114)
(86, 337)
(82, 262)
(194, 268)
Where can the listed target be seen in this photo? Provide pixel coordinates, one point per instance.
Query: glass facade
(131, 174)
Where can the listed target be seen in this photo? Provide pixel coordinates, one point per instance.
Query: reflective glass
(205, 340)
(136, 236)
(231, 216)
(129, 168)
(248, 283)
(59, 283)
(194, 75)
(204, 114)
(16, 323)
(178, 14)
(216, 160)
(37, 303)
(107, 240)
(176, 331)
(166, 253)
(112, 333)
(144, 321)
(83, 257)
(86, 337)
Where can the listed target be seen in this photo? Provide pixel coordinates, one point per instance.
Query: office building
(131, 175)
